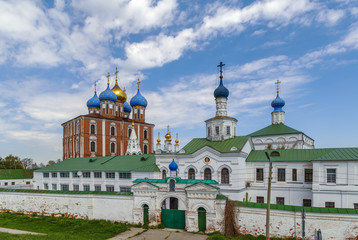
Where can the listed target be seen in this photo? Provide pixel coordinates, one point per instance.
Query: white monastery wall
(16, 183)
(288, 141)
(107, 207)
(289, 224)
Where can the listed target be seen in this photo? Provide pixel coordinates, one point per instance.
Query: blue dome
(278, 103)
(94, 102)
(126, 107)
(138, 100)
(173, 166)
(108, 95)
(221, 91)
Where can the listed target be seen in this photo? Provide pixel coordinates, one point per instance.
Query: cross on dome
(278, 85)
(95, 87)
(116, 72)
(221, 69)
(138, 82)
(108, 78)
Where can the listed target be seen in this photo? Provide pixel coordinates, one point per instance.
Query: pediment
(144, 186)
(201, 187)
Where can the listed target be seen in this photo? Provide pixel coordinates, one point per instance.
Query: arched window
(145, 134)
(191, 173)
(119, 110)
(113, 147)
(113, 131)
(107, 109)
(93, 146)
(138, 114)
(164, 174)
(129, 132)
(207, 174)
(172, 185)
(93, 129)
(225, 176)
(145, 149)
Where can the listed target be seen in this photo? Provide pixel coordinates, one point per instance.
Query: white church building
(198, 176)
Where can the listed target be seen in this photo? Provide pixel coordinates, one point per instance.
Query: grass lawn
(65, 228)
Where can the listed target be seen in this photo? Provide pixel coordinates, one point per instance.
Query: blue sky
(51, 53)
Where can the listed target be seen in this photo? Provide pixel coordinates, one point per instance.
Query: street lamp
(272, 154)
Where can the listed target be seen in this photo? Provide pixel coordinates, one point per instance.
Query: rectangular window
(12, 183)
(46, 186)
(329, 204)
(54, 175)
(228, 130)
(355, 205)
(46, 174)
(5, 183)
(294, 175)
(281, 174)
(97, 174)
(97, 188)
(307, 202)
(125, 189)
(260, 199)
(217, 130)
(86, 187)
(259, 174)
(125, 175)
(110, 175)
(64, 174)
(54, 186)
(110, 188)
(308, 175)
(331, 175)
(86, 174)
(28, 183)
(76, 187)
(75, 175)
(280, 200)
(65, 187)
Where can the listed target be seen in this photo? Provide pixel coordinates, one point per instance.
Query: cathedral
(107, 128)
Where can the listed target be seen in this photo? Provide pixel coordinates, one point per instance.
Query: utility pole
(273, 154)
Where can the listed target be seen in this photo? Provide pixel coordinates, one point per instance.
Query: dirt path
(15, 231)
(158, 234)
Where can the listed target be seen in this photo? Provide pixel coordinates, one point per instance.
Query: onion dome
(121, 95)
(94, 102)
(126, 107)
(138, 100)
(278, 103)
(108, 95)
(173, 166)
(221, 91)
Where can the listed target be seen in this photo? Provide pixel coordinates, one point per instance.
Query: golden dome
(121, 95)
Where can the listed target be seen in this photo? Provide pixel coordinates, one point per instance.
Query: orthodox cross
(138, 82)
(108, 78)
(95, 87)
(221, 69)
(116, 72)
(278, 85)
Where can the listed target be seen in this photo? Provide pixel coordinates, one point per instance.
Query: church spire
(278, 115)
(133, 147)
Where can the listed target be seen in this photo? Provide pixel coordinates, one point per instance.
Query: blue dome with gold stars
(221, 91)
(126, 107)
(94, 102)
(173, 166)
(138, 100)
(277, 103)
(108, 95)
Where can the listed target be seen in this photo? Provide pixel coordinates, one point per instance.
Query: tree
(10, 162)
(51, 162)
(27, 163)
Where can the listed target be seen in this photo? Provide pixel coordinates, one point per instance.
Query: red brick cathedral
(107, 128)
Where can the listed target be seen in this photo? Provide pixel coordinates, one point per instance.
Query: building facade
(106, 129)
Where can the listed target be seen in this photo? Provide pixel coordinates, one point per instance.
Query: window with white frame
(331, 175)
(110, 175)
(93, 146)
(125, 189)
(110, 188)
(97, 174)
(113, 147)
(281, 174)
(64, 174)
(329, 204)
(54, 186)
(228, 130)
(125, 175)
(259, 174)
(46, 174)
(113, 131)
(93, 129)
(217, 130)
(76, 187)
(86, 174)
(46, 186)
(97, 188)
(54, 175)
(86, 187)
(65, 187)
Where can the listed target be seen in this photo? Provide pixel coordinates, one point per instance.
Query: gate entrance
(172, 218)
(202, 219)
(145, 214)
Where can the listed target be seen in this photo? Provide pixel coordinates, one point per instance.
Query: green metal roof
(299, 155)
(220, 146)
(274, 129)
(298, 208)
(128, 163)
(16, 174)
(177, 179)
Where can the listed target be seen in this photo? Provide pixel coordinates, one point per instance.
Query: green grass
(219, 236)
(66, 228)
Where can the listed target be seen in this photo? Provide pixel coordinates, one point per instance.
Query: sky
(52, 53)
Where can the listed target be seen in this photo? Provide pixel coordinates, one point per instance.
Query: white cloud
(330, 16)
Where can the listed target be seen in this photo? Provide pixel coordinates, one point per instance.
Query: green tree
(10, 162)
(51, 162)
